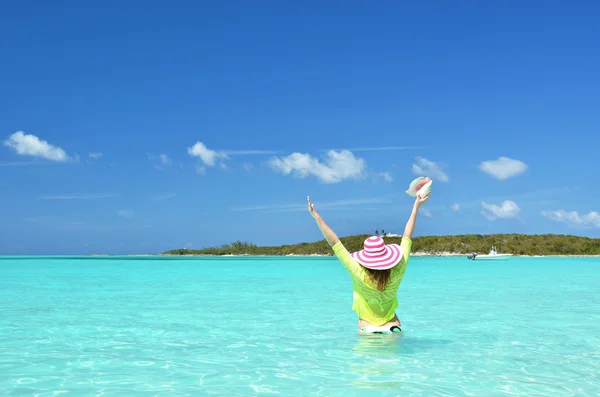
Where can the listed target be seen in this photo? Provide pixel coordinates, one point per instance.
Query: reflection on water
(385, 345)
(378, 344)
(380, 360)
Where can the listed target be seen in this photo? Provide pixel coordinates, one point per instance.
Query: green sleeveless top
(374, 306)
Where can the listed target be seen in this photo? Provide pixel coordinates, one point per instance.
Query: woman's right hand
(311, 209)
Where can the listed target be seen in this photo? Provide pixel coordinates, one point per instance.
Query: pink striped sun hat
(377, 254)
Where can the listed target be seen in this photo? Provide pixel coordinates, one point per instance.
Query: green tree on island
(516, 244)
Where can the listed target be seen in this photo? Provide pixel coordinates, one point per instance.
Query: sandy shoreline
(414, 254)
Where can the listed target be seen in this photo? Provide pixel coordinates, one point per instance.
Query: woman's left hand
(421, 200)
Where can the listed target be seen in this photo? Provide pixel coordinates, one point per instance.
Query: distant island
(516, 244)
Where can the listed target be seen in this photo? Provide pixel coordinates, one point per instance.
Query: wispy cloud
(210, 157)
(318, 205)
(425, 212)
(42, 218)
(573, 218)
(164, 159)
(57, 221)
(80, 196)
(24, 163)
(378, 149)
(161, 160)
(455, 207)
(95, 156)
(431, 169)
(383, 176)
(164, 196)
(386, 176)
(125, 213)
(249, 152)
(30, 145)
(527, 198)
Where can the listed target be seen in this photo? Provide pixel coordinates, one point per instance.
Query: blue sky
(143, 126)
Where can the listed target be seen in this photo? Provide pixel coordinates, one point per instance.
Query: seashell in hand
(420, 186)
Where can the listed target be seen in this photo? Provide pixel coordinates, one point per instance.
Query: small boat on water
(493, 255)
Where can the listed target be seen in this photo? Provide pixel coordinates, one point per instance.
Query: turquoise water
(284, 326)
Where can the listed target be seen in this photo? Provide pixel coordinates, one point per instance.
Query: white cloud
(429, 168)
(200, 170)
(503, 168)
(208, 156)
(507, 209)
(125, 213)
(386, 176)
(31, 145)
(336, 167)
(573, 219)
(248, 166)
(80, 196)
(455, 207)
(95, 156)
(318, 205)
(425, 212)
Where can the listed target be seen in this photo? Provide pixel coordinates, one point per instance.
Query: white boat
(493, 255)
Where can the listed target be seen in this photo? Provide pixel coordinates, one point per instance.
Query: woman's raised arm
(329, 235)
(410, 225)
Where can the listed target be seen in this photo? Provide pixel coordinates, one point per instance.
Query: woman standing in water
(376, 271)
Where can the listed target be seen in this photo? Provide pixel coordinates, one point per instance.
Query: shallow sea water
(284, 326)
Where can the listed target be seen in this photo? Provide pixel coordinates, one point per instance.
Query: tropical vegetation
(517, 244)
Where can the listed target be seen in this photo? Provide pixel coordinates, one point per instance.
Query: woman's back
(371, 304)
